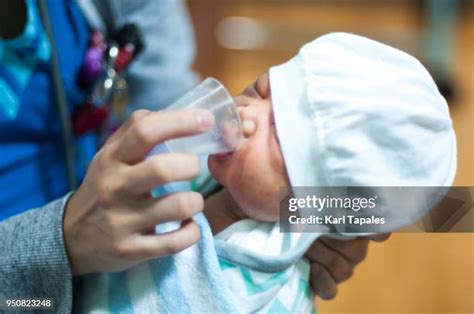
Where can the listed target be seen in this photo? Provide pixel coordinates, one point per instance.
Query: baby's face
(254, 174)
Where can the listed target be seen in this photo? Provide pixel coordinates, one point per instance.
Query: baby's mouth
(222, 156)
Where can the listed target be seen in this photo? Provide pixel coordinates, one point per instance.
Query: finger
(354, 251)
(152, 246)
(177, 206)
(134, 118)
(323, 284)
(380, 237)
(156, 127)
(161, 169)
(335, 263)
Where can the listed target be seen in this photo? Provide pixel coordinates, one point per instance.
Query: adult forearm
(33, 258)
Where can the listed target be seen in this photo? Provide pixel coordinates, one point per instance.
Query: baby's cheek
(263, 204)
(264, 189)
(271, 207)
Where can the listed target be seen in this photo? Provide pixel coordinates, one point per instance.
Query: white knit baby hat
(350, 111)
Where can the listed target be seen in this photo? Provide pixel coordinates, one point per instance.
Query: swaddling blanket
(248, 267)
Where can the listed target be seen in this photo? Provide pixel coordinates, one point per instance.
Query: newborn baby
(249, 245)
(346, 111)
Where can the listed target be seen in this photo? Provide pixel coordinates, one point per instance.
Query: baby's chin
(253, 208)
(250, 201)
(260, 215)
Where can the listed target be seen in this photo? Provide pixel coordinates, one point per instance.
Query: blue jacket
(32, 162)
(33, 257)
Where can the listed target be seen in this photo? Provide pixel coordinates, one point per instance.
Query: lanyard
(60, 100)
(126, 44)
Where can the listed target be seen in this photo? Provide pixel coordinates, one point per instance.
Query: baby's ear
(263, 86)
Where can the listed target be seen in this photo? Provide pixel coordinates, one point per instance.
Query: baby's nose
(248, 124)
(248, 127)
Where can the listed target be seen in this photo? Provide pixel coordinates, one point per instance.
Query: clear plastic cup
(225, 136)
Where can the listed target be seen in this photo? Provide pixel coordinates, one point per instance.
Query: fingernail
(205, 120)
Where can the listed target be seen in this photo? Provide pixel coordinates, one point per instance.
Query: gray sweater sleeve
(33, 258)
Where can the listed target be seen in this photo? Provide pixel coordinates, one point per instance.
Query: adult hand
(109, 221)
(333, 261)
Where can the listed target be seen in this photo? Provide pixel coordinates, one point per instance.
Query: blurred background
(238, 40)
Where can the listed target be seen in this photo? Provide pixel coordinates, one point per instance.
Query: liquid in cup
(225, 136)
